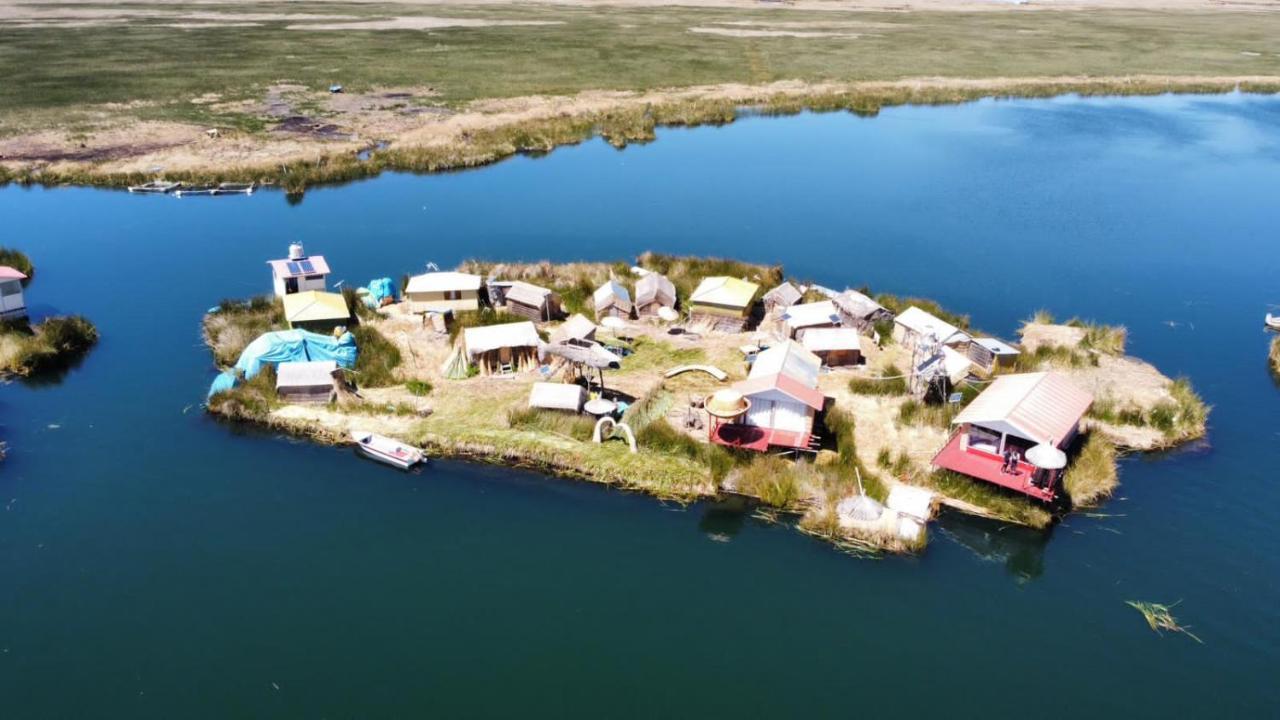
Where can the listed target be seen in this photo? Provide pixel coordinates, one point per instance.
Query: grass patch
(775, 481)
(1106, 339)
(659, 436)
(938, 415)
(249, 400)
(48, 346)
(1054, 356)
(1182, 417)
(19, 261)
(419, 388)
(376, 358)
(1091, 476)
(574, 427)
(890, 382)
(239, 322)
(1000, 502)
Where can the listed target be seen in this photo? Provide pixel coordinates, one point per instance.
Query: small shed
(611, 300)
(724, 302)
(810, 315)
(836, 346)
(502, 349)
(316, 311)
(857, 310)
(569, 397)
(654, 292)
(914, 324)
(530, 301)
(989, 353)
(306, 382)
(298, 272)
(577, 329)
(12, 303)
(444, 292)
(782, 297)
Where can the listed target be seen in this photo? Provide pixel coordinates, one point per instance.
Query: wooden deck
(988, 467)
(759, 439)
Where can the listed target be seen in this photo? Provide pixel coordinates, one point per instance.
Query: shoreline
(486, 132)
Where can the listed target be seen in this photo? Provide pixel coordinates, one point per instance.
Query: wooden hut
(799, 318)
(306, 382)
(576, 330)
(569, 397)
(859, 311)
(298, 273)
(444, 292)
(836, 347)
(654, 292)
(502, 349)
(1017, 416)
(319, 312)
(530, 301)
(722, 302)
(987, 354)
(782, 297)
(914, 324)
(12, 303)
(612, 300)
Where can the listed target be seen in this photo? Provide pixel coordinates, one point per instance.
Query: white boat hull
(387, 450)
(1273, 321)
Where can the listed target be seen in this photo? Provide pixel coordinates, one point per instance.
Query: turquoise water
(156, 563)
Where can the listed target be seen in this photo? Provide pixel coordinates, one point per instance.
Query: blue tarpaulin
(379, 289)
(274, 348)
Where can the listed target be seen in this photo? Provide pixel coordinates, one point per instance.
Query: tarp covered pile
(379, 289)
(274, 348)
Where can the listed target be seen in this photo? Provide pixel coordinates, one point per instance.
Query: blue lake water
(156, 563)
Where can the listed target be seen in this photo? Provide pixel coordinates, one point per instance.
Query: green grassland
(66, 75)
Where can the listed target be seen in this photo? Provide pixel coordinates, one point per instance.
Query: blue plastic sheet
(274, 348)
(379, 289)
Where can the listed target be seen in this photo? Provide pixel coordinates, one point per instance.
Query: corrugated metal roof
(313, 265)
(653, 287)
(810, 314)
(826, 339)
(305, 374)
(1041, 407)
(919, 321)
(315, 305)
(998, 347)
(443, 281)
(610, 292)
(725, 291)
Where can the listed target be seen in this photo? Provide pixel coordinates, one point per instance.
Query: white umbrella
(1047, 457)
(614, 323)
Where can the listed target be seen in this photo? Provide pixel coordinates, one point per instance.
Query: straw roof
(1040, 407)
(811, 314)
(479, 340)
(924, 323)
(557, 396)
(828, 339)
(858, 305)
(527, 294)
(655, 288)
(785, 295)
(315, 306)
(577, 327)
(612, 292)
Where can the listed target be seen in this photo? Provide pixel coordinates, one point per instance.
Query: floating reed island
(856, 416)
(35, 351)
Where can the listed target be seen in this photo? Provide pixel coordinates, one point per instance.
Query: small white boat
(155, 186)
(387, 450)
(235, 189)
(195, 190)
(1273, 321)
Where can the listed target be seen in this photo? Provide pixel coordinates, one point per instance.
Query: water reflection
(1020, 549)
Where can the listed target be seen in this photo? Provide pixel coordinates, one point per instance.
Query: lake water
(156, 563)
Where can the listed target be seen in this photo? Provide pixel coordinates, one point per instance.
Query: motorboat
(160, 187)
(1273, 321)
(387, 450)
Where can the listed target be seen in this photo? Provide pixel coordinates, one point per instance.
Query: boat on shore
(1272, 321)
(387, 450)
(159, 187)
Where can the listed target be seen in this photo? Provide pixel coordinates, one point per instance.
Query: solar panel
(293, 268)
(307, 267)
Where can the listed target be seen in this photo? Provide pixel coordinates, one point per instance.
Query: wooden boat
(235, 188)
(155, 186)
(387, 450)
(1273, 321)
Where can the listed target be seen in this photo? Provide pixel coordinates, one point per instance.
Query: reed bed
(890, 381)
(1001, 503)
(1275, 355)
(1092, 475)
(19, 261)
(1184, 416)
(237, 323)
(376, 358)
(49, 346)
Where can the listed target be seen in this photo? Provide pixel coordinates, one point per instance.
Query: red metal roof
(785, 384)
(8, 273)
(1041, 407)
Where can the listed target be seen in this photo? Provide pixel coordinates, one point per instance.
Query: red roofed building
(12, 303)
(782, 388)
(1013, 415)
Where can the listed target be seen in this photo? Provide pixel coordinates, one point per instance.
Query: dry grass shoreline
(487, 132)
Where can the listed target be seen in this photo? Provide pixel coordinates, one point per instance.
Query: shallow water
(156, 563)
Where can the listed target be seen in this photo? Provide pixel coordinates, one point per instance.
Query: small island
(35, 350)
(854, 415)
